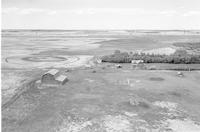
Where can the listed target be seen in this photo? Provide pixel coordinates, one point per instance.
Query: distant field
(191, 47)
(145, 42)
(130, 43)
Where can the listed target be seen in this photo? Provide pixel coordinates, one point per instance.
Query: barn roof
(52, 72)
(61, 78)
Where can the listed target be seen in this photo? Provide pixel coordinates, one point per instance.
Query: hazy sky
(101, 14)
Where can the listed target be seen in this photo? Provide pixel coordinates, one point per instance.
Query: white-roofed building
(61, 79)
(138, 64)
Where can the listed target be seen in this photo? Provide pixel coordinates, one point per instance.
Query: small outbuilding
(53, 77)
(62, 79)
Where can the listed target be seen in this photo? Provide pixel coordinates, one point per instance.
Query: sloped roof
(61, 78)
(52, 72)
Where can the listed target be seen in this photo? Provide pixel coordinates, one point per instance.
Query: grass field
(101, 101)
(97, 98)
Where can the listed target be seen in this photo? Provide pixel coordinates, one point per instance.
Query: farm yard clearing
(98, 96)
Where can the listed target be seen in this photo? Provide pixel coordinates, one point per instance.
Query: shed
(49, 77)
(61, 79)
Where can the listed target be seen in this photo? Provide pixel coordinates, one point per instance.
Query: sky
(101, 14)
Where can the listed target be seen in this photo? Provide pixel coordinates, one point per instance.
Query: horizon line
(98, 29)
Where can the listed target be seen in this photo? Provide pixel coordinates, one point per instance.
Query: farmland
(99, 97)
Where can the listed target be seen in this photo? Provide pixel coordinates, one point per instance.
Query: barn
(53, 77)
(49, 77)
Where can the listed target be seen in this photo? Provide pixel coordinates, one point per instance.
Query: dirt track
(21, 90)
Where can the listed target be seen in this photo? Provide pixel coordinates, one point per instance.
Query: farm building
(138, 64)
(49, 77)
(53, 77)
(137, 61)
(62, 79)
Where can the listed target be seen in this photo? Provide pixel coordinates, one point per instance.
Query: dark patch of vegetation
(94, 71)
(103, 68)
(176, 94)
(156, 79)
(144, 105)
(179, 57)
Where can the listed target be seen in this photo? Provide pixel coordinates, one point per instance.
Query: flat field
(99, 97)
